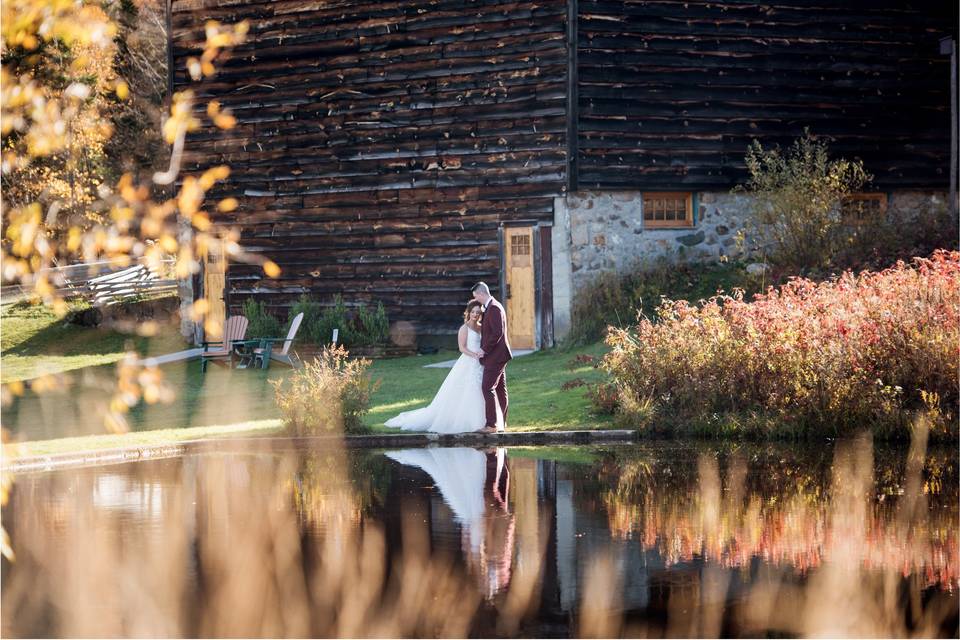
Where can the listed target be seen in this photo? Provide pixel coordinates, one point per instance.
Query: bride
(458, 406)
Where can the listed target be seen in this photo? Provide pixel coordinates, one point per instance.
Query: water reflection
(662, 539)
(475, 485)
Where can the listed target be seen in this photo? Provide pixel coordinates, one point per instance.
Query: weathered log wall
(672, 91)
(379, 145)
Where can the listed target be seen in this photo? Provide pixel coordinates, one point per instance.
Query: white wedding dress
(458, 406)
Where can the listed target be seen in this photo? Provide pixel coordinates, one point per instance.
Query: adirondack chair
(234, 331)
(259, 352)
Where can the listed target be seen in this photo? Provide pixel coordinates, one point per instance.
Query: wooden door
(520, 295)
(214, 280)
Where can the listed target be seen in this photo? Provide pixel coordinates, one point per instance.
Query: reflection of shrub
(328, 393)
(868, 350)
(262, 323)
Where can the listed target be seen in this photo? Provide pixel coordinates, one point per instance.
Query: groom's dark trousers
(496, 350)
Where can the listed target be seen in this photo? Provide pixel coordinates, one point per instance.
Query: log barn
(401, 150)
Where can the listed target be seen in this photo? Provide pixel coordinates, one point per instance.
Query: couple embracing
(473, 397)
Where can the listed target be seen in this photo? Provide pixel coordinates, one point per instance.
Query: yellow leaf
(123, 90)
(168, 243)
(227, 204)
(213, 328)
(213, 108)
(5, 547)
(115, 422)
(225, 121)
(271, 269)
(200, 308)
(201, 221)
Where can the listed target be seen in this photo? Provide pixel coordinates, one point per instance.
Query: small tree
(795, 217)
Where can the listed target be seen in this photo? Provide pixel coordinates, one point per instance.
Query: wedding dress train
(458, 406)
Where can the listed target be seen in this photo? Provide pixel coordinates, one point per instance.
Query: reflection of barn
(400, 151)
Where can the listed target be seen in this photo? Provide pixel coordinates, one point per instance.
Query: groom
(494, 355)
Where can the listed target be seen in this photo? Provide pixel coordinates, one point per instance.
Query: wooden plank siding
(380, 145)
(672, 91)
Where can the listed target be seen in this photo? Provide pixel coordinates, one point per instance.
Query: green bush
(334, 317)
(614, 299)
(371, 327)
(795, 221)
(309, 326)
(360, 328)
(330, 394)
(262, 323)
(357, 329)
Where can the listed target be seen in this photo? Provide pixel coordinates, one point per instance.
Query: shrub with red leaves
(870, 350)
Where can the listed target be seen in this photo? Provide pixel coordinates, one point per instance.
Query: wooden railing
(101, 284)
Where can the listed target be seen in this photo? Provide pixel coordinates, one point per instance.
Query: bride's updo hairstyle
(470, 307)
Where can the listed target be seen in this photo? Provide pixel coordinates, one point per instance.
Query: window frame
(863, 196)
(686, 223)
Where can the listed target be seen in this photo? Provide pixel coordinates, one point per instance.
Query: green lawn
(34, 342)
(227, 402)
(534, 381)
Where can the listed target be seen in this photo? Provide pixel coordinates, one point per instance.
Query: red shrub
(866, 350)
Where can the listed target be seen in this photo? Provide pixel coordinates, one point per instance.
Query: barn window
(863, 208)
(520, 251)
(667, 209)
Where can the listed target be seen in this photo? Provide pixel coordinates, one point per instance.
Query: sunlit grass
(34, 342)
(71, 419)
(537, 401)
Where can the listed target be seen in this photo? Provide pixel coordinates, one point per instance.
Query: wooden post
(952, 50)
(573, 113)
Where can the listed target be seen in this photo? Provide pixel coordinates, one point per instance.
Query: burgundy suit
(496, 355)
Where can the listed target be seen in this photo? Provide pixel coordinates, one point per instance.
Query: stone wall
(604, 231)
(597, 231)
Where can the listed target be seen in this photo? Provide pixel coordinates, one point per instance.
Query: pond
(663, 538)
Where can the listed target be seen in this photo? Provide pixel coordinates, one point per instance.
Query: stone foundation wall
(597, 231)
(604, 231)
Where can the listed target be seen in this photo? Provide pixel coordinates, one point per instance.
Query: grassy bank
(227, 402)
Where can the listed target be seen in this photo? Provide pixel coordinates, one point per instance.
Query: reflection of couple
(475, 485)
(473, 397)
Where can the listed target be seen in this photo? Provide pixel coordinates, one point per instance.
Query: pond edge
(54, 462)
